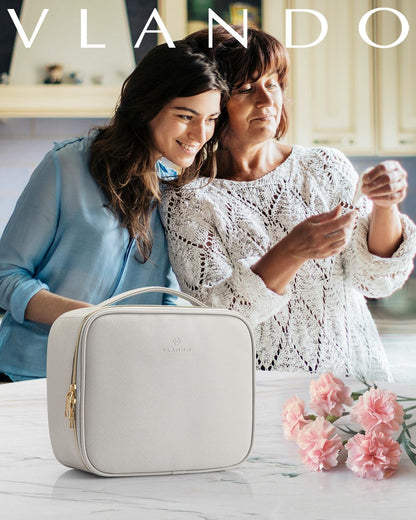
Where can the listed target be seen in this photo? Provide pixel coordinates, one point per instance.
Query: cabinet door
(396, 104)
(174, 16)
(332, 82)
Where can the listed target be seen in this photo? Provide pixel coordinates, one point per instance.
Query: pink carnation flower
(293, 417)
(318, 446)
(374, 455)
(328, 395)
(378, 411)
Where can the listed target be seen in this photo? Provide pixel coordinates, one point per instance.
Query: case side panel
(61, 345)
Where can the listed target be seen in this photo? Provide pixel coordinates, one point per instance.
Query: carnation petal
(378, 411)
(329, 395)
(318, 446)
(293, 417)
(374, 455)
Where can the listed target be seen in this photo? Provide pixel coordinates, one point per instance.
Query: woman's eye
(213, 120)
(185, 117)
(243, 89)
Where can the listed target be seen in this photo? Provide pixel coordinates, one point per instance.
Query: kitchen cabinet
(332, 83)
(396, 100)
(44, 101)
(347, 93)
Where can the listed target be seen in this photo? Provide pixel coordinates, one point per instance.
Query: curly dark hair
(120, 155)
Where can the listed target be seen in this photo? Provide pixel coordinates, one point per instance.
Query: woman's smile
(191, 149)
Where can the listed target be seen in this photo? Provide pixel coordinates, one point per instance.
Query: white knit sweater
(217, 231)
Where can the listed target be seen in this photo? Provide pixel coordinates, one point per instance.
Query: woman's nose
(263, 98)
(198, 132)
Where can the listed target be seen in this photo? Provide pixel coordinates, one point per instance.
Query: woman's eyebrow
(193, 111)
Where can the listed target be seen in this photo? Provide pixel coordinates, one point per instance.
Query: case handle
(143, 290)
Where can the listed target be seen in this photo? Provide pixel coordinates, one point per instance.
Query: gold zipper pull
(71, 401)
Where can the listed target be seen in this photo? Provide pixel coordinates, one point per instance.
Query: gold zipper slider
(71, 401)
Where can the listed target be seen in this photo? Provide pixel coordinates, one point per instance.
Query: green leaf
(347, 429)
(408, 449)
(405, 440)
(404, 398)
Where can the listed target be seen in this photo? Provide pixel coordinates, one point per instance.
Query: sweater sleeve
(199, 256)
(27, 237)
(377, 277)
(373, 276)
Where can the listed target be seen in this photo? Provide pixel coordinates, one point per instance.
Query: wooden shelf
(58, 100)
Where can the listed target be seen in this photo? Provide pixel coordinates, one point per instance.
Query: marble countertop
(271, 484)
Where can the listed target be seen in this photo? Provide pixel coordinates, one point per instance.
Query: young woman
(268, 237)
(87, 226)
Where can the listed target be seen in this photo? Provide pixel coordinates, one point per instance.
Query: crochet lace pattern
(217, 230)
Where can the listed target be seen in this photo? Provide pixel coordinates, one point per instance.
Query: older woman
(273, 236)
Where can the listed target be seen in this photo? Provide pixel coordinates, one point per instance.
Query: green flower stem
(356, 395)
(331, 418)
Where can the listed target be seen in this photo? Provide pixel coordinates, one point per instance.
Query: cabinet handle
(406, 141)
(342, 141)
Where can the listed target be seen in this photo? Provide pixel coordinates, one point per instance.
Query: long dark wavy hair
(120, 155)
(237, 64)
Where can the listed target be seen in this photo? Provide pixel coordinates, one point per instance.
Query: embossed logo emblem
(176, 346)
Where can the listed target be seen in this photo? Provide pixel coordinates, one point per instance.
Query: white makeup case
(145, 390)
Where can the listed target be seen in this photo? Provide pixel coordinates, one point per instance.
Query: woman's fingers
(323, 235)
(328, 227)
(344, 221)
(386, 184)
(326, 216)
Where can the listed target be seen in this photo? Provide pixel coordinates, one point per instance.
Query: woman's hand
(385, 184)
(321, 236)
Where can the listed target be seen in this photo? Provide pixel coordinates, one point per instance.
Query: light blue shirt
(62, 238)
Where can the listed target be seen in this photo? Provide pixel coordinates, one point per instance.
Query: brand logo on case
(176, 346)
